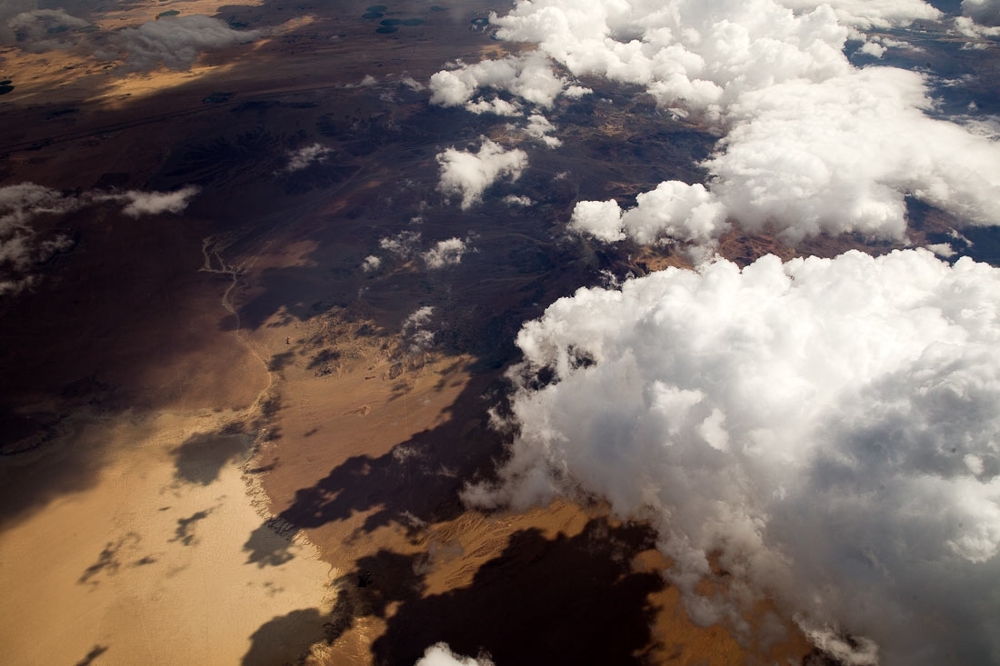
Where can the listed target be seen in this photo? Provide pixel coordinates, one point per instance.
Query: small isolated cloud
(518, 200)
(415, 329)
(540, 128)
(529, 78)
(411, 83)
(496, 106)
(303, 157)
(402, 244)
(445, 253)
(371, 263)
(441, 655)
(874, 49)
(175, 42)
(600, 219)
(469, 174)
(368, 81)
(943, 250)
(139, 203)
(828, 428)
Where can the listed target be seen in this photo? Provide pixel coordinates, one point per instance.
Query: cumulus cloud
(468, 174)
(518, 200)
(441, 655)
(175, 42)
(371, 263)
(847, 152)
(600, 219)
(445, 253)
(967, 27)
(831, 428)
(306, 155)
(528, 77)
(673, 210)
(812, 144)
(540, 128)
(415, 329)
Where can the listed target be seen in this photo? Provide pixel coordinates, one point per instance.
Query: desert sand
(153, 563)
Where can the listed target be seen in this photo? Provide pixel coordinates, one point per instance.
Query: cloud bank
(830, 427)
(812, 145)
(468, 174)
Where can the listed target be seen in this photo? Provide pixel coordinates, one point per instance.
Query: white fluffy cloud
(415, 329)
(539, 127)
(834, 157)
(674, 209)
(139, 203)
(468, 174)
(175, 42)
(528, 77)
(813, 145)
(445, 253)
(371, 263)
(306, 155)
(831, 427)
(441, 655)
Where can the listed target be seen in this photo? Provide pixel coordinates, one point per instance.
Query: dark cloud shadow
(267, 547)
(573, 600)
(91, 656)
(109, 560)
(418, 479)
(567, 600)
(200, 459)
(285, 638)
(184, 532)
